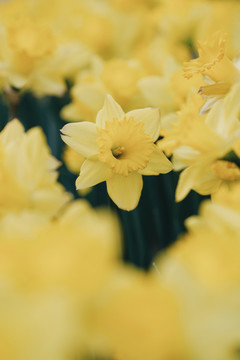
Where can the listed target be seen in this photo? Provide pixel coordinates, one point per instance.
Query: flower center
(118, 151)
(124, 146)
(226, 170)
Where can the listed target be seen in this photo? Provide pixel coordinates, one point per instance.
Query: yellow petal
(231, 102)
(13, 131)
(209, 103)
(43, 84)
(81, 137)
(92, 173)
(125, 191)
(110, 110)
(157, 92)
(158, 164)
(71, 113)
(186, 182)
(151, 119)
(208, 184)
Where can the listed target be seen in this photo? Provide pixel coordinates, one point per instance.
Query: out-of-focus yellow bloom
(41, 325)
(228, 195)
(156, 89)
(178, 35)
(59, 252)
(209, 316)
(120, 78)
(135, 306)
(186, 125)
(211, 54)
(202, 269)
(28, 172)
(74, 161)
(226, 170)
(220, 16)
(116, 76)
(48, 275)
(126, 5)
(87, 97)
(119, 149)
(182, 88)
(211, 249)
(202, 145)
(96, 31)
(30, 39)
(33, 54)
(219, 71)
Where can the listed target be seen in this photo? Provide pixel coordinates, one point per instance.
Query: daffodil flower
(220, 73)
(119, 149)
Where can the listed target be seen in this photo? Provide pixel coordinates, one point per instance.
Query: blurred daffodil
(219, 71)
(205, 147)
(119, 149)
(28, 172)
(74, 161)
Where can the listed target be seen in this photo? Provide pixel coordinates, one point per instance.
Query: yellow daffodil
(228, 195)
(206, 147)
(135, 306)
(49, 273)
(156, 89)
(223, 16)
(33, 54)
(219, 71)
(202, 269)
(87, 96)
(119, 149)
(28, 172)
(116, 76)
(74, 161)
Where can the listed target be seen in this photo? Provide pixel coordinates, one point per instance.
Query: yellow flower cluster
(204, 138)
(34, 53)
(53, 261)
(147, 71)
(203, 269)
(154, 85)
(64, 292)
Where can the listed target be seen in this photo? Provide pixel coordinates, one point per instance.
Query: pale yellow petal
(157, 92)
(110, 110)
(208, 185)
(42, 84)
(209, 103)
(232, 104)
(13, 131)
(186, 182)
(158, 164)
(151, 119)
(81, 137)
(71, 113)
(125, 191)
(153, 89)
(92, 172)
